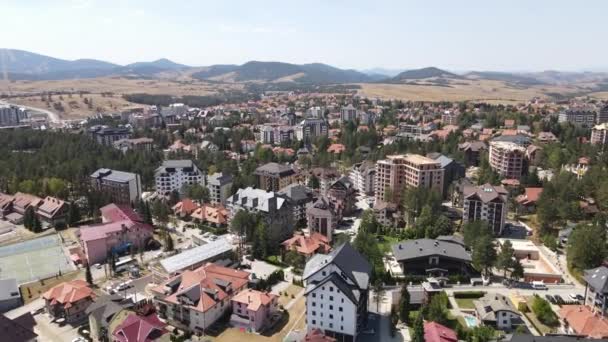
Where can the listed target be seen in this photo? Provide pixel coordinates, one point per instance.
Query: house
(526, 202)
(121, 229)
(195, 299)
(254, 310)
(13, 331)
(596, 289)
(307, 246)
(472, 152)
(432, 257)
(53, 211)
(6, 205)
(139, 144)
(216, 216)
(486, 203)
(317, 335)
(300, 196)
(21, 202)
(321, 218)
(10, 296)
(581, 320)
(139, 328)
(337, 286)
(435, 332)
(496, 310)
(102, 311)
(69, 300)
(274, 176)
(272, 207)
(184, 208)
(546, 137)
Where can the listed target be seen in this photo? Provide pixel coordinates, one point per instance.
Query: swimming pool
(471, 321)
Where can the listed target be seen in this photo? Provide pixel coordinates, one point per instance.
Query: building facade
(121, 187)
(10, 115)
(337, 286)
(362, 175)
(486, 203)
(174, 174)
(310, 129)
(508, 159)
(348, 113)
(274, 176)
(599, 134)
(321, 218)
(580, 117)
(109, 135)
(219, 186)
(399, 171)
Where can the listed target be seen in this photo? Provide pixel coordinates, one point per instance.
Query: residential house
(216, 216)
(325, 176)
(195, 299)
(472, 152)
(299, 196)
(120, 187)
(134, 327)
(6, 204)
(496, 310)
(102, 311)
(432, 257)
(254, 310)
(582, 321)
(307, 246)
(486, 203)
(273, 208)
(337, 286)
(21, 203)
(274, 176)
(184, 208)
(53, 211)
(526, 202)
(121, 230)
(139, 144)
(435, 332)
(386, 213)
(69, 300)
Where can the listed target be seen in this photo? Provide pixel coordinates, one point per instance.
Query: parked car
(539, 285)
(97, 266)
(580, 297)
(559, 300)
(550, 298)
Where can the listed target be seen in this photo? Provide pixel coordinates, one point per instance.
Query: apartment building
(326, 177)
(580, 117)
(316, 112)
(449, 117)
(398, 171)
(299, 196)
(362, 175)
(310, 129)
(507, 159)
(254, 310)
(337, 293)
(486, 203)
(172, 175)
(139, 144)
(274, 209)
(274, 176)
(599, 134)
(602, 115)
(348, 113)
(195, 299)
(10, 115)
(219, 185)
(472, 152)
(121, 187)
(276, 135)
(108, 135)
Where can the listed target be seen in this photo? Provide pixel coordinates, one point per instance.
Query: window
(331, 316)
(331, 298)
(341, 318)
(341, 327)
(324, 273)
(331, 325)
(314, 295)
(314, 304)
(331, 289)
(340, 309)
(314, 313)
(331, 307)
(314, 322)
(342, 300)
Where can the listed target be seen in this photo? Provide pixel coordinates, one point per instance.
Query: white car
(97, 266)
(79, 339)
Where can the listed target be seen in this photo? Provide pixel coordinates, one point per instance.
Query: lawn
(385, 242)
(465, 303)
(542, 329)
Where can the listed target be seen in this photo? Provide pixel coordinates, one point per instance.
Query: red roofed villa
(136, 328)
(307, 245)
(435, 332)
(69, 300)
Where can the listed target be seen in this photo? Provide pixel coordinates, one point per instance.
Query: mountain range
(24, 65)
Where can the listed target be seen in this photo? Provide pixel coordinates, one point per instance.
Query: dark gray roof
(351, 292)
(105, 307)
(597, 278)
(275, 169)
(219, 178)
(473, 146)
(486, 192)
(451, 238)
(346, 258)
(297, 193)
(15, 332)
(114, 175)
(518, 139)
(414, 249)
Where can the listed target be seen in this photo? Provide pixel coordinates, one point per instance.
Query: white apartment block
(337, 292)
(486, 203)
(362, 175)
(174, 174)
(348, 113)
(599, 134)
(219, 186)
(399, 171)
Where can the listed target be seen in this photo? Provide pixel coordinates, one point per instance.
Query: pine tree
(37, 225)
(73, 214)
(404, 305)
(418, 329)
(88, 275)
(168, 242)
(28, 218)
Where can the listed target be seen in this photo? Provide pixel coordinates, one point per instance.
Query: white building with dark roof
(172, 175)
(486, 203)
(337, 286)
(122, 187)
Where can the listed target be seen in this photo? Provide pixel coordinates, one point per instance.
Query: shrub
(469, 294)
(544, 313)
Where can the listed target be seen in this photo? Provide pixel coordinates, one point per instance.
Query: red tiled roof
(316, 335)
(137, 328)
(254, 299)
(584, 322)
(530, 196)
(69, 292)
(336, 148)
(435, 332)
(217, 215)
(307, 245)
(184, 207)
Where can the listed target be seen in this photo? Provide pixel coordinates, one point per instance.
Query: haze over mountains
(24, 65)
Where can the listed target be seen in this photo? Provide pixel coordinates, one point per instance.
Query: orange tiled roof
(584, 322)
(336, 148)
(185, 207)
(69, 292)
(254, 298)
(308, 245)
(217, 215)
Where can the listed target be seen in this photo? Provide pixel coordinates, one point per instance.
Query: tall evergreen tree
(404, 304)
(418, 329)
(88, 275)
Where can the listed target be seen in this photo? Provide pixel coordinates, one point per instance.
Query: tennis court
(33, 259)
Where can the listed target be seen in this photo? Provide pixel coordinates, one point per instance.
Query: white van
(539, 285)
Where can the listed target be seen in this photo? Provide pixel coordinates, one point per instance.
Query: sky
(457, 35)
